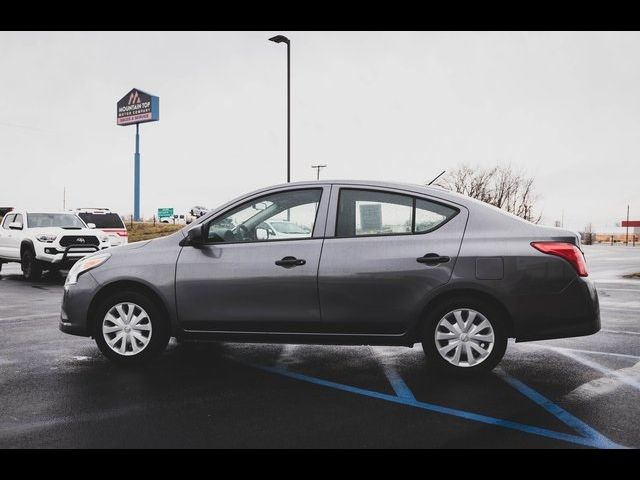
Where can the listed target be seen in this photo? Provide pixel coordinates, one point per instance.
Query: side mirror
(15, 226)
(262, 234)
(195, 236)
(91, 225)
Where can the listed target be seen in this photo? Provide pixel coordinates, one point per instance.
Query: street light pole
(283, 39)
(626, 238)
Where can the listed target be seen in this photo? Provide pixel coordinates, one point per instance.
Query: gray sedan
(381, 264)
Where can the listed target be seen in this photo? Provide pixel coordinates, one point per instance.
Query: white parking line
(631, 381)
(635, 290)
(594, 352)
(621, 332)
(30, 317)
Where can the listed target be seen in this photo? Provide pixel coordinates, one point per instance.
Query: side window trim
(332, 230)
(319, 221)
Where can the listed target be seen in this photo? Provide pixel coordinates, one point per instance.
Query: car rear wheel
(130, 329)
(464, 336)
(31, 268)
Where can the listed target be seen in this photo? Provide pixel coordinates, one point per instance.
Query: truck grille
(79, 240)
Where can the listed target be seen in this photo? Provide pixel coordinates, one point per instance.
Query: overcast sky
(381, 105)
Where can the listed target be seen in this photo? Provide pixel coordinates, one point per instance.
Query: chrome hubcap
(127, 329)
(464, 337)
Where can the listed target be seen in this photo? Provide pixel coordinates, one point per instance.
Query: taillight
(123, 234)
(568, 251)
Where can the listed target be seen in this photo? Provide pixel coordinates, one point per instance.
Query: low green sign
(165, 212)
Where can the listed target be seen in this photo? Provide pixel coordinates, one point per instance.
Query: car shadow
(48, 278)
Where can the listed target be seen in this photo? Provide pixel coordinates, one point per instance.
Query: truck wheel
(31, 268)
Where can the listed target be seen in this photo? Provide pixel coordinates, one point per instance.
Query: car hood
(64, 232)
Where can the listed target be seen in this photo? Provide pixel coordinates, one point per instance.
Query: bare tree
(502, 186)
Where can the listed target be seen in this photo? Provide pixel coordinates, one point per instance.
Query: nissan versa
(378, 264)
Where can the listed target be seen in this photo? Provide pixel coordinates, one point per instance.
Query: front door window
(278, 216)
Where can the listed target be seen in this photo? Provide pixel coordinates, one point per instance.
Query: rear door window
(370, 212)
(430, 215)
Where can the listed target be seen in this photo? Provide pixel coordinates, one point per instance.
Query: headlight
(85, 265)
(46, 238)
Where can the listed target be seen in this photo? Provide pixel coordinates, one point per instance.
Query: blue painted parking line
(397, 383)
(589, 437)
(560, 413)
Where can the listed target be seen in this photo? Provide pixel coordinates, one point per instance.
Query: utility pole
(562, 222)
(626, 240)
(318, 168)
(64, 198)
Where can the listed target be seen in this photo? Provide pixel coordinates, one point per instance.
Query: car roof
(432, 190)
(55, 212)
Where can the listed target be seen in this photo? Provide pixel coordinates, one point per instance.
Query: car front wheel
(464, 336)
(130, 329)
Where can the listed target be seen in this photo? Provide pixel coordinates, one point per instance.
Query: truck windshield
(61, 220)
(103, 220)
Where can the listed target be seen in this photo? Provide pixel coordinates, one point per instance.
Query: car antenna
(441, 173)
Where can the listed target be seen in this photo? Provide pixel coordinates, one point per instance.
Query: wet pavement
(57, 390)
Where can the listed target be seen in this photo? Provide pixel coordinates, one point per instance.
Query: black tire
(159, 335)
(31, 268)
(436, 362)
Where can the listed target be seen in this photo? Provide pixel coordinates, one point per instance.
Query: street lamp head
(280, 39)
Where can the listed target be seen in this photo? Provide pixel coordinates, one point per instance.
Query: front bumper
(66, 256)
(574, 312)
(74, 314)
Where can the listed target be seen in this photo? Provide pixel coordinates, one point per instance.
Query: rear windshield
(103, 220)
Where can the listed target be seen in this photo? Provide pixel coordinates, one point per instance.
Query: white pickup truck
(46, 241)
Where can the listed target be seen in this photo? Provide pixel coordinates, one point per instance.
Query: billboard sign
(165, 212)
(631, 223)
(137, 107)
(371, 217)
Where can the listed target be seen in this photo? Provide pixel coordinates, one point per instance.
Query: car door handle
(433, 259)
(289, 262)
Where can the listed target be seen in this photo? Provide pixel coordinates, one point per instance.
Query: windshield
(62, 220)
(288, 227)
(102, 220)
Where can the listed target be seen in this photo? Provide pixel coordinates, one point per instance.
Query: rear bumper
(574, 312)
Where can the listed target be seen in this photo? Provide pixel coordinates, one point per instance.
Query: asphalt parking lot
(58, 391)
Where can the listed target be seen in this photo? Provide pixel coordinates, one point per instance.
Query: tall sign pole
(137, 107)
(136, 177)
